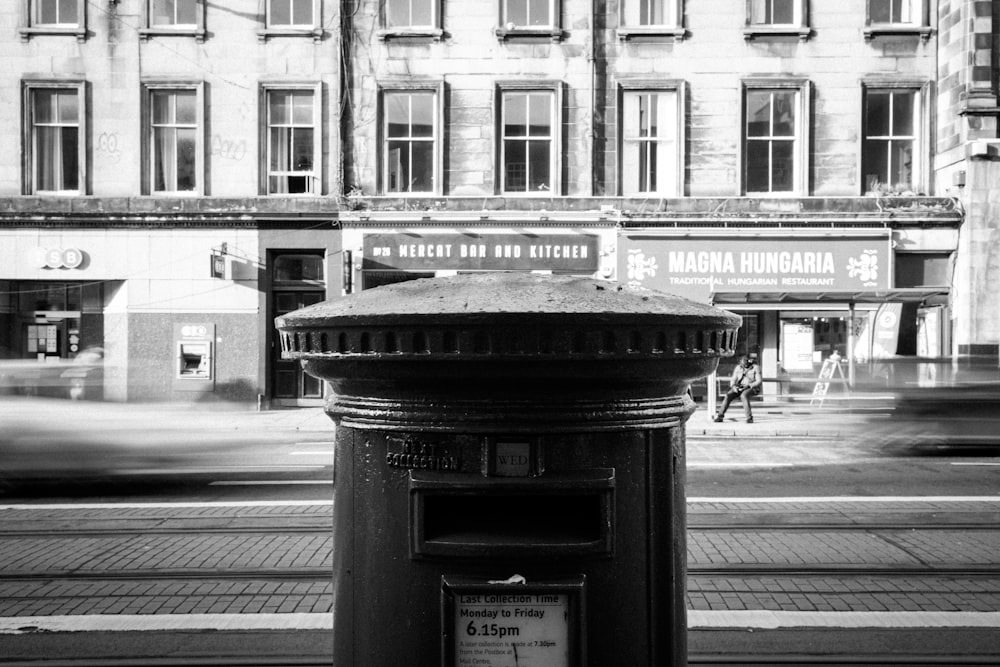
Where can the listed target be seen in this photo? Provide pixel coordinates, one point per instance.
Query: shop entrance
(298, 280)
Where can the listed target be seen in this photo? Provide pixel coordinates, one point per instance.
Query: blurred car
(81, 377)
(50, 439)
(963, 415)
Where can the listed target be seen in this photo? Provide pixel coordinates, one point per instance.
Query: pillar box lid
(508, 324)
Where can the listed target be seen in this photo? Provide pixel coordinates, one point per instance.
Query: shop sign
(695, 267)
(57, 258)
(480, 252)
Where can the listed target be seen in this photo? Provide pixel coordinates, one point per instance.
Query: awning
(927, 296)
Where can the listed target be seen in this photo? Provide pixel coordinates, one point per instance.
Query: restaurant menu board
(494, 629)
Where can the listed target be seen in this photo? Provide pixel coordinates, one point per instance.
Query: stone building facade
(827, 170)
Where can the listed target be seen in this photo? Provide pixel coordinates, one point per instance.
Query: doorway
(298, 280)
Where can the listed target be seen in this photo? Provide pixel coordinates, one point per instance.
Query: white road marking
(853, 499)
(975, 463)
(743, 618)
(318, 452)
(697, 619)
(165, 505)
(743, 465)
(272, 482)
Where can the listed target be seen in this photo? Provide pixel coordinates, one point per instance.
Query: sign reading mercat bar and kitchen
(481, 252)
(695, 267)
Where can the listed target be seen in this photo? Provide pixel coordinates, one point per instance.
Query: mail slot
(509, 456)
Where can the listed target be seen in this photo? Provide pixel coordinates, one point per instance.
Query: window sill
(651, 33)
(413, 34)
(198, 33)
(753, 32)
(79, 32)
(528, 34)
(891, 29)
(317, 34)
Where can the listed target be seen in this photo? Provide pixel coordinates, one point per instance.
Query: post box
(509, 467)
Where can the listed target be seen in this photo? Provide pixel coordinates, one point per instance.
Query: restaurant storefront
(805, 296)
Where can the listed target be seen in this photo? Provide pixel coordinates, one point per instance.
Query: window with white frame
(173, 13)
(528, 151)
(890, 154)
(895, 11)
(54, 17)
(174, 140)
(411, 13)
(410, 143)
(650, 13)
(774, 139)
(55, 139)
(290, 14)
(651, 143)
(773, 12)
(292, 141)
(529, 13)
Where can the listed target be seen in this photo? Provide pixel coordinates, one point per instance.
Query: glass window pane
(278, 104)
(902, 114)
(784, 114)
(161, 12)
(783, 166)
(303, 150)
(902, 163)
(302, 112)
(515, 166)
(632, 115)
(422, 106)
(67, 11)
(186, 12)
(517, 12)
(397, 13)
(515, 115)
(758, 11)
(876, 159)
(48, 11)
(45, 106)
(758, 166)
(302, 12)
(539, 115)
(665, 166)
(397, 115)
(69, 109)
(296, 268)
(422, 167)
(539, 13)
(880, 11)
(783, 11)
(631, 167)
(281, 148)
(538, 166)
(877, 115)
(423, 12)
(186, 107)
(162, 107)
(758, 113)
(280, 12)
(186, 149)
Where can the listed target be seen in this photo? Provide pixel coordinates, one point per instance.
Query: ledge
(751, 33)
(412, 34)
(895, 29)
(528, 34)
(651, 33)
(78, 32)
(317, 34)
(198, 33)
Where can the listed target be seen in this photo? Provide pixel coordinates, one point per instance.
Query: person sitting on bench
(746, 382)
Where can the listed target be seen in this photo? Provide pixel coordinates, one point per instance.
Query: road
(797, 547)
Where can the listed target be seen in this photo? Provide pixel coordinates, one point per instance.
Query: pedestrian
(746, 381)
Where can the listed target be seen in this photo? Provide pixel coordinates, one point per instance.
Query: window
(530, 19)
(290, 18)
(411, 13)
(774, 141)
(292, 141)
(290, 13)
(49, 17)
(55, 139)
(651, 141)
(641, 18)
(776, 18)
(174, 149)
(528, 146)
(897, 17)
(174, 17)
(410, 153)
(890, 156)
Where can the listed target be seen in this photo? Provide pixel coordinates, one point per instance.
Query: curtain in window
(56, 140)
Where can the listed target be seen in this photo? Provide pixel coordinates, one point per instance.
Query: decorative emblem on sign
(639, 267)
(864, 267)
